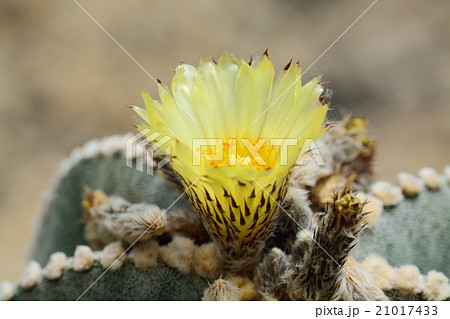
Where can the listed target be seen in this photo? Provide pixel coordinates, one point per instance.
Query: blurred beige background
(63, 81)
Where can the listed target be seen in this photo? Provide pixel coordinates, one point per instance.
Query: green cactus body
(415, 231)
(127, 283)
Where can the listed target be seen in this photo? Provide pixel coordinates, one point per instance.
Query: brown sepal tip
(288, 65)
(251, 60)
(323, 97)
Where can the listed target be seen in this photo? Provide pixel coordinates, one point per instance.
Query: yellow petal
(244, 99)
(141, 112)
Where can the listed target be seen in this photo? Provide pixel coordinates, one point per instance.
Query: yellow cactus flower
(237, 128)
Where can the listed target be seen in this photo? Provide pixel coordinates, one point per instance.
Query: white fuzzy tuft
(373, 207)
(246, 287)
(388, 193)
(138, 222)
(145, 254)
(97, 255)
(409, 279)
(6, 291)
(447, 173)
(383, 274)
(83, 258)
(112, 256)
(221, 290)
(303, 236)
(357, 284)
(411, 185)
(206, 261)
(298, 196)
(55, 266)
(179, 253)
(30, 275)
(436, 287)
(430, 177)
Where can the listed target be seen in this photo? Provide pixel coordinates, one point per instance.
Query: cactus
(178, 264)
(267, 229)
